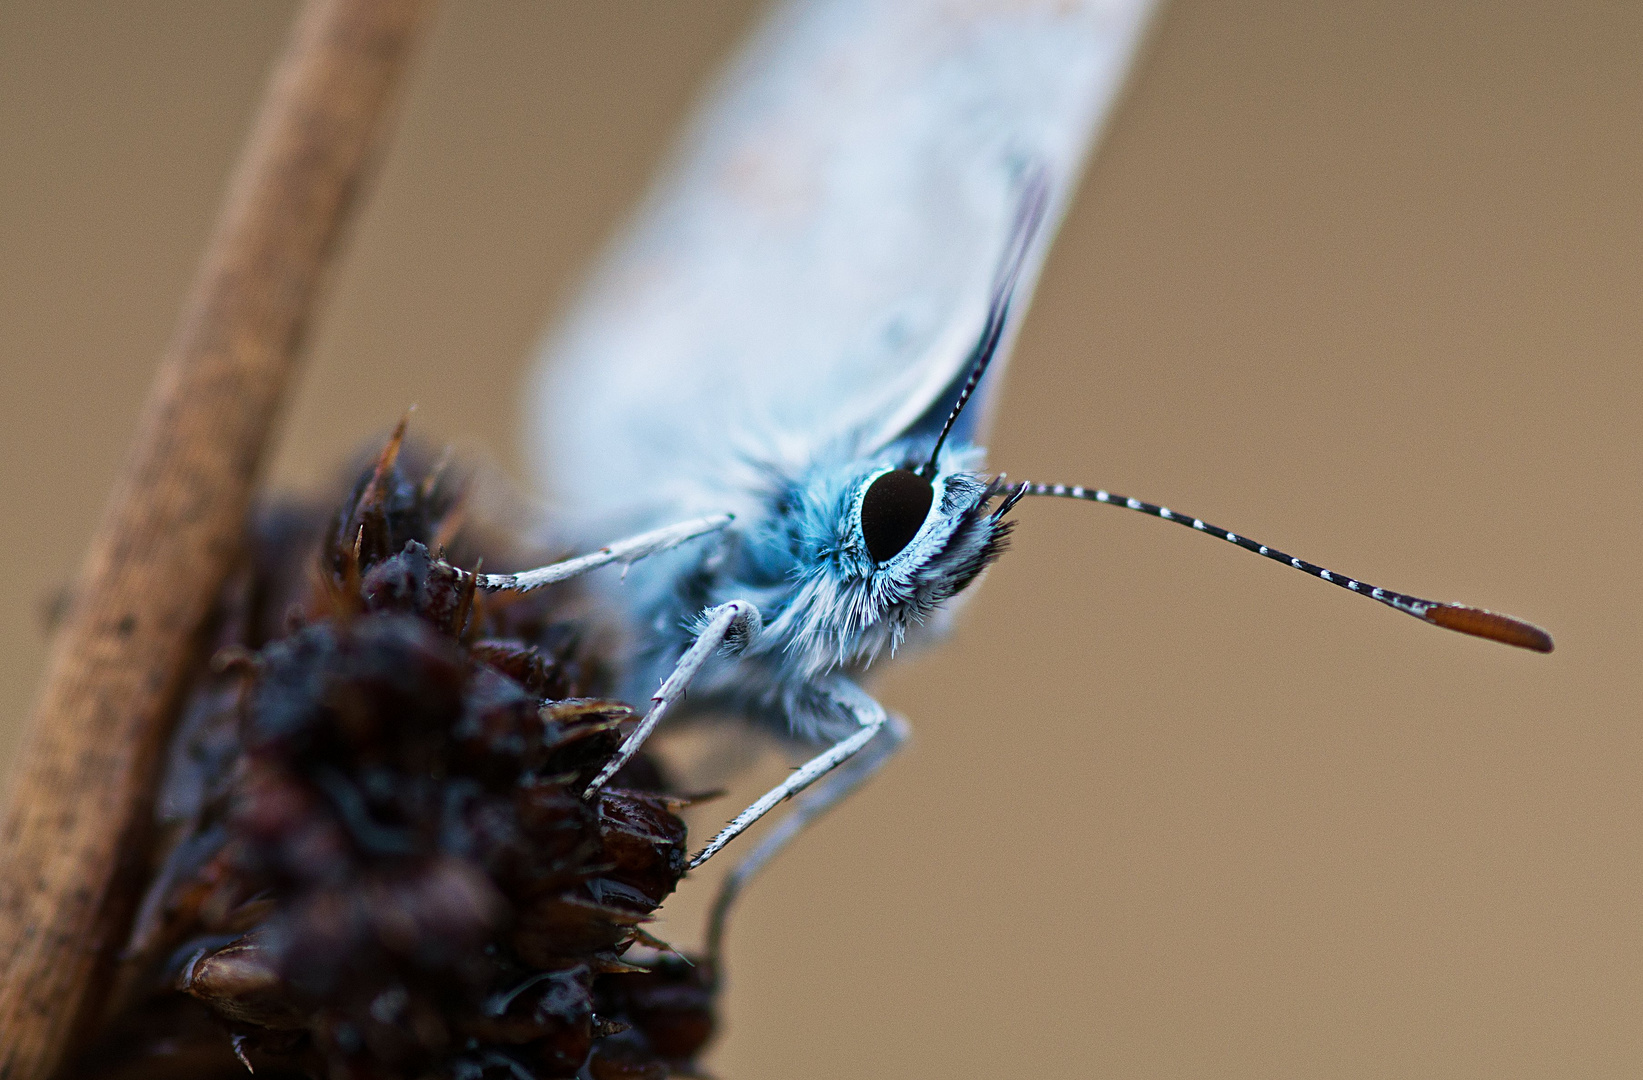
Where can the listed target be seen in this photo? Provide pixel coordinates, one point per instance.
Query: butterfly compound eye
(892, 510)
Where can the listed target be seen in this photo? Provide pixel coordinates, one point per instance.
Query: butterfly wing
(814, 266)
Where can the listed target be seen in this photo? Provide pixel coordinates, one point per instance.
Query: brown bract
(376, 860)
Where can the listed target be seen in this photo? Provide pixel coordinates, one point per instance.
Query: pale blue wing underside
(815, 264)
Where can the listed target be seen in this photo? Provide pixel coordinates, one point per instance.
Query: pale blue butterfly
(793, 348)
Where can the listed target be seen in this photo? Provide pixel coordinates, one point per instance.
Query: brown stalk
(73, 835)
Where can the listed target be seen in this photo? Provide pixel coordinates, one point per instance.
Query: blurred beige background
(1360, 278)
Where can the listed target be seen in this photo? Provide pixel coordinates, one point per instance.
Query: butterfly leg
(625, 552)
(891, 737)
(729, 626)
(870, 719)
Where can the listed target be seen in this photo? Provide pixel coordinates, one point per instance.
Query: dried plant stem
(172, 528)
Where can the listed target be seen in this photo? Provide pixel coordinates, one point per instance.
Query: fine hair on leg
(730, 626)
(807, 809)
(870, 718)
(626, 552)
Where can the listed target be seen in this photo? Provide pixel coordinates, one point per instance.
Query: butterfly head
(870, 552)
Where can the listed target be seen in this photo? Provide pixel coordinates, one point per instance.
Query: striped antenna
(1468, 620)
(1035, 200)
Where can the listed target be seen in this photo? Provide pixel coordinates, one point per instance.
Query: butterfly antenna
(1467, 620)
(1035, 199)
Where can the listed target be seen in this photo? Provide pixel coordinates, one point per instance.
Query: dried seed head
(376, 862)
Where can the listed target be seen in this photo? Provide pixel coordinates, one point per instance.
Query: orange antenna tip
(1488, 624)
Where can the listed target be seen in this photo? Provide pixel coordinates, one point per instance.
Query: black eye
(892, 511)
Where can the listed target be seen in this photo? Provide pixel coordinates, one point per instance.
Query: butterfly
(778, 381)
